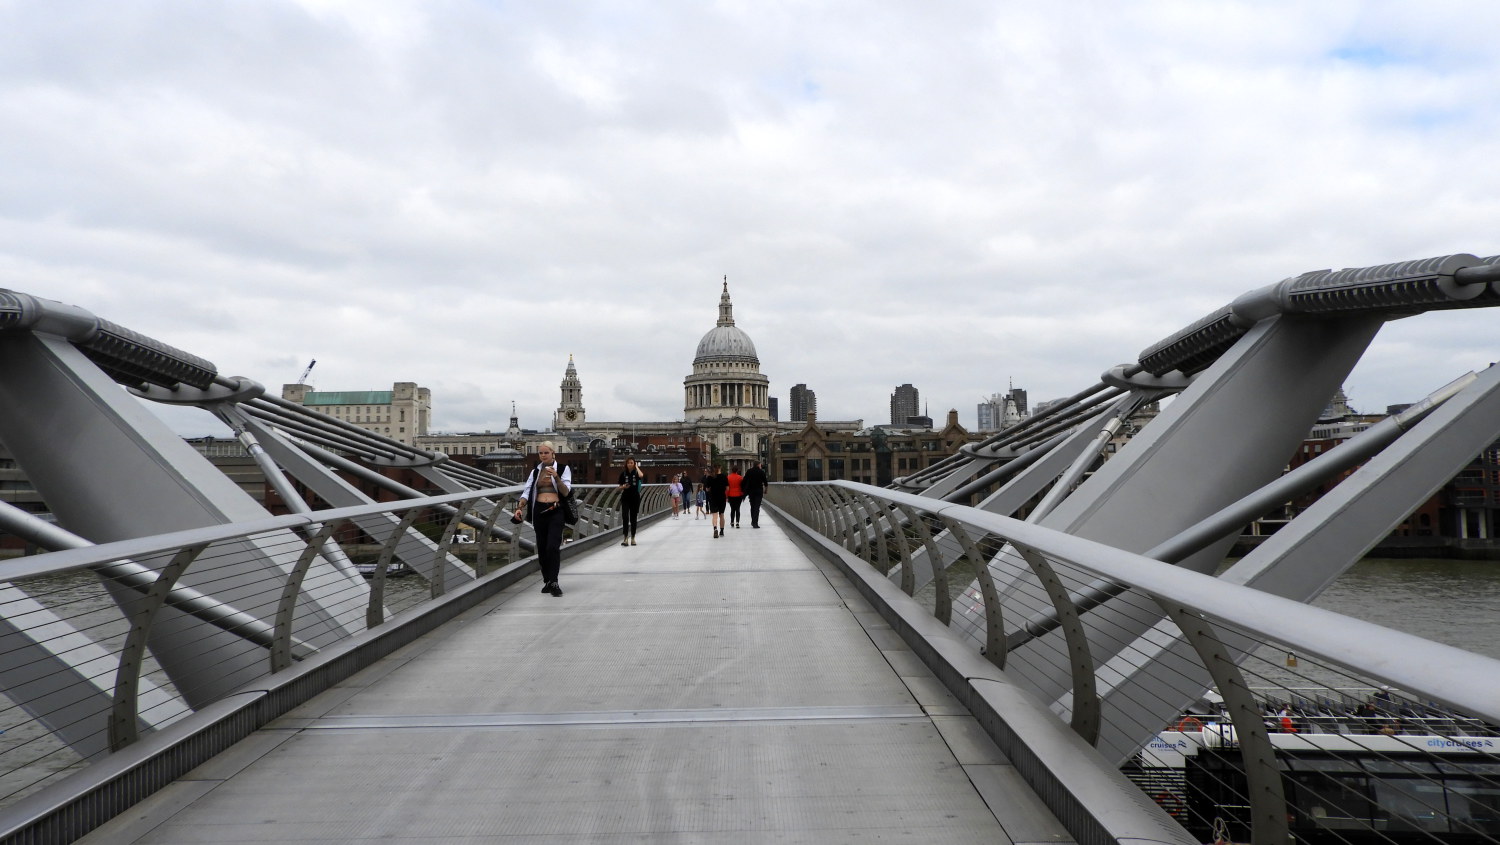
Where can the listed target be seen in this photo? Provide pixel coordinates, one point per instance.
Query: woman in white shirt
(545, 488)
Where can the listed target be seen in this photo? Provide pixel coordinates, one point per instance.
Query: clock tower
(570, 412)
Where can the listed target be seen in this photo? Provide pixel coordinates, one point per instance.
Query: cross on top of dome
(726, 308)
(726, 342)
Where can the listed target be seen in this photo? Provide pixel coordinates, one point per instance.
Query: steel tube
(1241, 513)
(130, 574)
(1450, 676)
(308, 429)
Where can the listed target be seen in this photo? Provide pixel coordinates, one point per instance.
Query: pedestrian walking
(674, 490)
(630, 501)
(541, 504)
(754, 485)
(735, 494)
(716, 488)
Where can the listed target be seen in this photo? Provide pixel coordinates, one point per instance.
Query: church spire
(726, 308)
(570, 411)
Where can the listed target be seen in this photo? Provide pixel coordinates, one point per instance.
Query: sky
(957, 195)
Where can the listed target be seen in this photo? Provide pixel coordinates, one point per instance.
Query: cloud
(462, 194)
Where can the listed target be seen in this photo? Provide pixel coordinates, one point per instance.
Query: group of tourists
(730, 490)
(549, 483)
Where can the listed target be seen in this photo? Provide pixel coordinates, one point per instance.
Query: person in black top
(716, 488)
(754, 485)
(630, 503)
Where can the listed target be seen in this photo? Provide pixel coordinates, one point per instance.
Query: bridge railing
(103, 607)
(1300, 721)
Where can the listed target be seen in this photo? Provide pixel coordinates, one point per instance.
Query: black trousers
(630, 514)
(548, 521)
(755, 509)
(734, 508)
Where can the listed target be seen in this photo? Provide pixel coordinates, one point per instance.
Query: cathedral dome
(725, 343)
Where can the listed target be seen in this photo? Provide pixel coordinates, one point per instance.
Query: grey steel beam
(1304, 557)
(1083, 707)
(130, 574)
(1037, 470)
(936, 480)
(1195, 458)
(414, 550)
(1263, 780)
(232, 417)
(1330, 536)
(307, 428)
(339, 462)
(363, 440)
(62, 677)
(235, 420)
(125, 474)
(1007, 469)
(1234, 517)
(1452, 677)
(1063, 486)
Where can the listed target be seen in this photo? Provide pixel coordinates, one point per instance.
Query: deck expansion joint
(617, 717)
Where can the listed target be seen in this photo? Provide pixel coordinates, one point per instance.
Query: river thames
(1451, 601)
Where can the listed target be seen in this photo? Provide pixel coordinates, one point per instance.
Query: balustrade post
(876, 509)
(281, 643)
(1086, 706)
(122, 720)
(587, 510)
(438, 584)
(482, 561)
(822, 520)
(994, 628)
(903, 545)
(1268, 807)
(837, 512)
(515, 538)
(375, 612)
(942, 603)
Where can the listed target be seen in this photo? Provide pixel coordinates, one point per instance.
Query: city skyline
(464, 194)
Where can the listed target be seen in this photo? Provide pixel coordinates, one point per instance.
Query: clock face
(571, 415)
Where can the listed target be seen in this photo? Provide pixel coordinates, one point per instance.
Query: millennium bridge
(991, 650)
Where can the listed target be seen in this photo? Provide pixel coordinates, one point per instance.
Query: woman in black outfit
(716, 486)
(630, 503)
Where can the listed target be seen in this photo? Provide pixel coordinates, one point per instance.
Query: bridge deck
(687, 689)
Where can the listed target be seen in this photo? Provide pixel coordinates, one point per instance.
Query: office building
(401, 413)
(905, 404)
(804, 402)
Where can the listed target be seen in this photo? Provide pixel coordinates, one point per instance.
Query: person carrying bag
(544, 503)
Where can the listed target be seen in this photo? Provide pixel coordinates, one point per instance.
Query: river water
(1456, 602)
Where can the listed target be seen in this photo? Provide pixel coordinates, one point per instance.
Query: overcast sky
(951, 194)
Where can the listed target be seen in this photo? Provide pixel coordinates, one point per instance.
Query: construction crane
(302, 379)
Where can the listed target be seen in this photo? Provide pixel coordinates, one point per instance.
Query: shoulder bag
(570, 504)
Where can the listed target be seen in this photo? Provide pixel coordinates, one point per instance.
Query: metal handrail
(312, 531)
(1451, 676)
(1204, 609)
